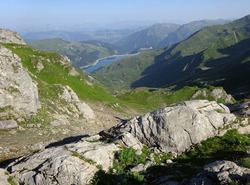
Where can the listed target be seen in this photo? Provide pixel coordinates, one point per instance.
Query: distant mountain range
(162, 35)
(80, 53)
(147, 38)
(216, 55)
(107, 35)
(188, 29)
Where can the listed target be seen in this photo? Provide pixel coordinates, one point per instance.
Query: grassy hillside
(149, 37)
(56, 73)
(80, 53)
(186, 30)
(216, 55)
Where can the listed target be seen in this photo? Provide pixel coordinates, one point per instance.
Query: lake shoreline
(112, 56)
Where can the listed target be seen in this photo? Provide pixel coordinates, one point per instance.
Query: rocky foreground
(173, 129)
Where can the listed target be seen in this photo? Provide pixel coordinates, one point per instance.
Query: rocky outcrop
(70, 164)
(171, 129)
(242, 108)
(8, 36)
(222, 172)
(8, 124)
(79, 106)
(174, 129)
(216, 94)
(17, 90)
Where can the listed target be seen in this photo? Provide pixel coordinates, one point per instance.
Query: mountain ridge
(199, 54)
(80, 53)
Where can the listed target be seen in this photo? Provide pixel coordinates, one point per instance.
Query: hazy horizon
(28, 15)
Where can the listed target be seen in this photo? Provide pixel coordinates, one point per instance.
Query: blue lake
(103, 62)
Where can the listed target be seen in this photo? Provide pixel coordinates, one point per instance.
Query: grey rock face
(101, 154)
(130, 141)
(242, 108)
(222, 172)
(174, 129)
(8, 36)
(16, 86)
(215, 93)
(8, 124)
(70, 96)
(61, 166)
(3, 177)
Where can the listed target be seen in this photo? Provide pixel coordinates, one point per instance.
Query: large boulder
(17, 89)
(8, 36)
(74, 163)
(174, 129)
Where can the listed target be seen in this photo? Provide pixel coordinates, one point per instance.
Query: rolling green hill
(80, 53)
(215, 55)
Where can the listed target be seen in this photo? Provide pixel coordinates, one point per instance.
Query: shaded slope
(195, 61)
(186, 30)
(147, 38)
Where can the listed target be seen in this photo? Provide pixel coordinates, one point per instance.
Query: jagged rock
(8, 124)
(221, 172)
(130, 141)
(17, 89)
(70, 96)
(242, 108)
(221, 94)
(3, 177)
(60, 165)
(215, 93)
(52, 166)
(174, 129)
(65, 60)
(8, 36)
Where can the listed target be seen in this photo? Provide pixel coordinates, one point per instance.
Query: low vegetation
(232, 146)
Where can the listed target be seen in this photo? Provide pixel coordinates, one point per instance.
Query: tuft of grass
(11, 181)
(90, 161)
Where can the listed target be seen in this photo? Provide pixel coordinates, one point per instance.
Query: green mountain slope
(186, 30)
(216, 55)
(55, 72)
(147, 38)
(80, 53)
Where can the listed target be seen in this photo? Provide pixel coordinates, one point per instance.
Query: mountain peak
(8, 36)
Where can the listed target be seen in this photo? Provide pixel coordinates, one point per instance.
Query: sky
(21, 14)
